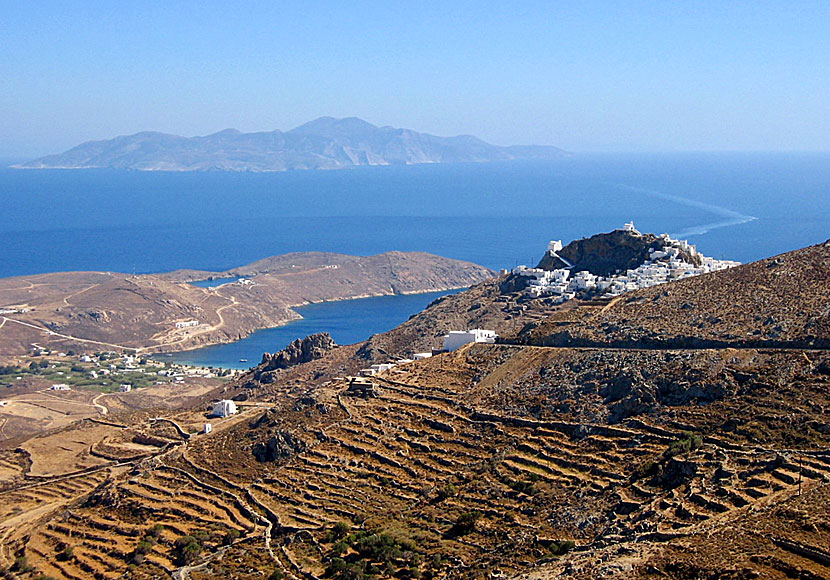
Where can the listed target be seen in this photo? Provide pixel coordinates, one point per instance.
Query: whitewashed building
(458, 338)
(663, 265)
(124, 388)
(224, 408)
(60, 387)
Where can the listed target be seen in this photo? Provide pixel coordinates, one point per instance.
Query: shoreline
(152, 352)
(161, 313)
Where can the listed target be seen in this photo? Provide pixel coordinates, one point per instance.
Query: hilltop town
(667, 260)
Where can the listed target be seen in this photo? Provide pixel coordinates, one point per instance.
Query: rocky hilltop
(522, 459)
(325, 143)
(609, 253)
(774, 303)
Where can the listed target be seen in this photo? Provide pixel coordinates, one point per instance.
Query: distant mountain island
(325, 143)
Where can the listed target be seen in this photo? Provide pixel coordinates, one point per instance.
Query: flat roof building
(224, 408)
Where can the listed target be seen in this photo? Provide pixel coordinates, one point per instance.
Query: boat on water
(243, 360)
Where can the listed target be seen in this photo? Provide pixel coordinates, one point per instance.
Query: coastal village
(103, 371)
(663, 265)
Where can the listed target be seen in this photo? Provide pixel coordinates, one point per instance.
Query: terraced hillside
(504, 460)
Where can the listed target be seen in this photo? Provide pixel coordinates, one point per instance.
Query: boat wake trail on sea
(732, 218)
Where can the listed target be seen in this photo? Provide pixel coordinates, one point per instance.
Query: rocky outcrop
(783, 304)
(300, 351)
(281, 445)
(607, 254)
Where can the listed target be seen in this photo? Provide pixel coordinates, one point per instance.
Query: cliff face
(609, 253)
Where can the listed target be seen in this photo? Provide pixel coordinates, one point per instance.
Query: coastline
(160, 349)
(160, 313)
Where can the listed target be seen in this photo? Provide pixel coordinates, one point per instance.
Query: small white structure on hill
(60, 387)
(224, 408)
(187, 323)
(554, 246)
(208, 428)
(124, 388)
(458, 338)
(375, 369)
(421, 355)
(629, 227)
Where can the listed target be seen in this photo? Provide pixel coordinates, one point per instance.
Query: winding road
(100, 407)
(68, 337)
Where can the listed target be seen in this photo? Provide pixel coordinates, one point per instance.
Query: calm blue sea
(348, 322)
(738, 206)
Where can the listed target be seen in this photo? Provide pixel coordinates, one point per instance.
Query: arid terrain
(162, 312)
(680, 431)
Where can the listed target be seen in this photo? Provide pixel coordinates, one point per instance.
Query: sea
(741, 206)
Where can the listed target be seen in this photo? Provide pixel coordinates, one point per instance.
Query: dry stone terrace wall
(440, 441)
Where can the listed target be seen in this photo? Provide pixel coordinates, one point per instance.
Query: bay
(347, 321)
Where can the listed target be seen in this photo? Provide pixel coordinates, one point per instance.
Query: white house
(421, 355)
(458, 338)
(629, 227)
(187, 323)
(60, 387)
(224, 408)
(375, 369)
(554, 246)
(124, 388)
(208, 428)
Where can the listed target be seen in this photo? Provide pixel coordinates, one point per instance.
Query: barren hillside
(104, 310)
(504, 460)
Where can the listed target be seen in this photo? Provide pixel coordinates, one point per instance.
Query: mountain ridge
(323, 143)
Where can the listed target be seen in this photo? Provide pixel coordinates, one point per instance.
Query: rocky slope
(778, 302)
(608, 253)
(324, 143)
(493, 461)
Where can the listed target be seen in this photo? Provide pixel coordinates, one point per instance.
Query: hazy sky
(583, 75)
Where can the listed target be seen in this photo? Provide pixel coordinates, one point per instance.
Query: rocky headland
(163, 312)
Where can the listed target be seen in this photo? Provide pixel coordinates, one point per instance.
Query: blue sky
(583, 75)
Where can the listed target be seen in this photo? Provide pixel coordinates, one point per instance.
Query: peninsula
(155, 312)
(325, 143)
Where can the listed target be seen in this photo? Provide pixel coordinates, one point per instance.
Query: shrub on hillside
(186, 550)
(687, 441)
(466, 523)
